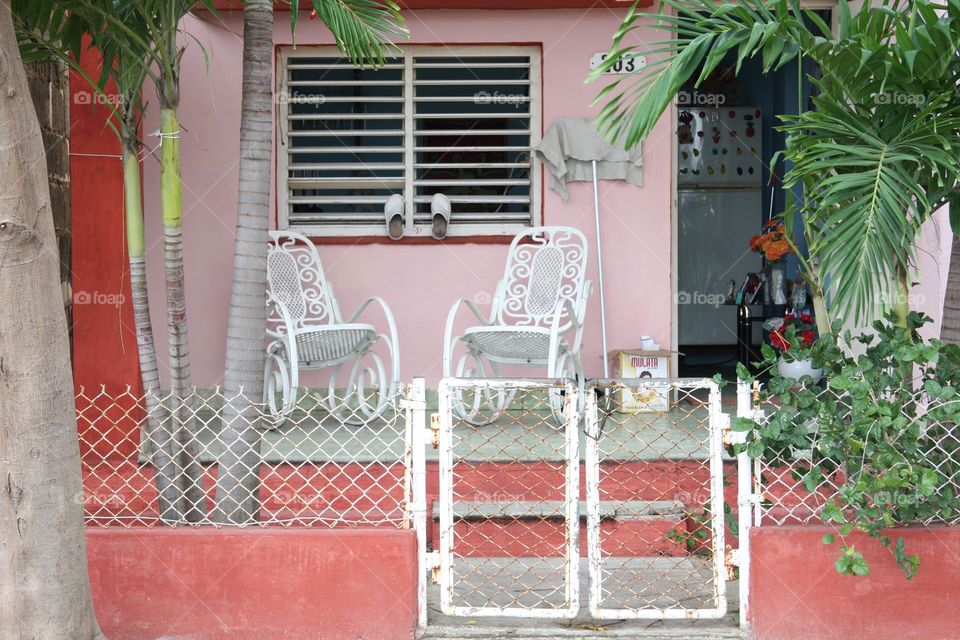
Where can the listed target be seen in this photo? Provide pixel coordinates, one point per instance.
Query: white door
(714, 229)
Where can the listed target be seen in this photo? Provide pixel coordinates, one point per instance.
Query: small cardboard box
(643, 364)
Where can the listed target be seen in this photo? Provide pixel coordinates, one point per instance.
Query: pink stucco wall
(420, 282)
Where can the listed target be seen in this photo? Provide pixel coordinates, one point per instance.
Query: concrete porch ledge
(796, 593)
(219, 584)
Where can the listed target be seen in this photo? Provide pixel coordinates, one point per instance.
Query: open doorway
(727, 190)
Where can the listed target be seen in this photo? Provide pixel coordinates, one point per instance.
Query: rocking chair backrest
(545, 265)
(295, 279)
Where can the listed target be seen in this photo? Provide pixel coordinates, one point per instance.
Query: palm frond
(363, 29)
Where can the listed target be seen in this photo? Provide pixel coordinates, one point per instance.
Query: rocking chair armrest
(285, 316)
(289, 336)
(391, 324)
(476, 311)
(448, 330)
(576, 320)
(366, 303)
(581, 315)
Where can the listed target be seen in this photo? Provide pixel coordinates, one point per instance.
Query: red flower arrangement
(793, 327)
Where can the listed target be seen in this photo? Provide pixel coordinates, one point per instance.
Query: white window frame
(413, 230)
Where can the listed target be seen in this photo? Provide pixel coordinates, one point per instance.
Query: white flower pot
(797, 369)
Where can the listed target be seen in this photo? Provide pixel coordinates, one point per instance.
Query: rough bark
(238, 478)
(950, 329)
(44, 585)
(50, 90)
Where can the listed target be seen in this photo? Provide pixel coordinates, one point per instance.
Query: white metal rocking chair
(536, 319)
(309, 334)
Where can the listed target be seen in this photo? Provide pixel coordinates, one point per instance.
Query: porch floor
(669, 577)
(680, 434)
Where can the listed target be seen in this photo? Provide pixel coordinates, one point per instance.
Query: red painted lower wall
(291, 584)
(796, 594)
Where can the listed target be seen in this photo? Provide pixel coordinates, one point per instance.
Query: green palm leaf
(878, 154)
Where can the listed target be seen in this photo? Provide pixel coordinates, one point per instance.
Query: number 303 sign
(628, 62)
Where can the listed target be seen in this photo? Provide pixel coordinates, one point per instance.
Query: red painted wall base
(212, 584)
(797, 594)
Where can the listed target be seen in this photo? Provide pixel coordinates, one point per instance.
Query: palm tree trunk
(159, 440)
(44, 583)
(950, 329)
(238, 478)
(182, 417)
(901, 300)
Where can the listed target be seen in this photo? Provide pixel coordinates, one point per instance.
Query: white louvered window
(455, 120)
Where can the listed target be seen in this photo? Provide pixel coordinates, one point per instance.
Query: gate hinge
(433, 563)
(732, 563)
(434, 432)
(723, 421)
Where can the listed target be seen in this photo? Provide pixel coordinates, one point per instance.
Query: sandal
(440, 208)
(393, 213)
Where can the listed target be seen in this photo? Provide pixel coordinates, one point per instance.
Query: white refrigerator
(719, 207)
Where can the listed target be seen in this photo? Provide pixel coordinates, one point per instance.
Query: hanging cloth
(569, 148)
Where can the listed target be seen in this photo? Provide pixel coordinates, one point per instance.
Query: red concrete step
(537, 528)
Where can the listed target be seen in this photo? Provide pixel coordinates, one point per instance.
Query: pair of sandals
(439, 207)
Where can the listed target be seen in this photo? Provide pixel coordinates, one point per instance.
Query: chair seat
(510, 343)
(331, 344)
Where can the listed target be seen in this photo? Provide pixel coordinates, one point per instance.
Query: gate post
(417, 416)
(745, 500)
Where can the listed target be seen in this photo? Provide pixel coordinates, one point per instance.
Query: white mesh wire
(655, 499)
(783, 499)
(507, 515)
(320, 468)
(516, 520)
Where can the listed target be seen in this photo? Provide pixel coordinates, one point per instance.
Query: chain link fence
(794, 482)
(160, 459)
(655, 510)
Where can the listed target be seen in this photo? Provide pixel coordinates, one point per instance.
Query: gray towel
(571, 144)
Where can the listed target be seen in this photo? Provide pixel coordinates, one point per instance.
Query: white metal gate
(509, 487)
(662, 472)
(510, 502)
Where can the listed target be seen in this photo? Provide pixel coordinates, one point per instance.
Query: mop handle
(603, 313)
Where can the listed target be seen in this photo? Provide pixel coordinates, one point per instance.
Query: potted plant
(791, 336)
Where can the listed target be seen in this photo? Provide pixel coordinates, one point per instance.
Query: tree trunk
(44, 585)
(50, 90)
(950, 329)
(239, 465)
(181, 415)
(170, 478)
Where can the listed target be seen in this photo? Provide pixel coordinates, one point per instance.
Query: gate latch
(732, 562)
(435, 430)
(433, 563)
(729, 436)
